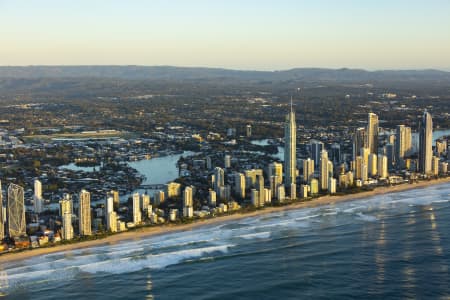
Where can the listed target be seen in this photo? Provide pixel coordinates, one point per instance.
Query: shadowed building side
(290, 151)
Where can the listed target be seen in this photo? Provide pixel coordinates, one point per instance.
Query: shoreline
(145, 232)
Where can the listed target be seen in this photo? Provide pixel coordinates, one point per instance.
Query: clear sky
(240, 34)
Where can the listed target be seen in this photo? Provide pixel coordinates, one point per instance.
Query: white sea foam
(367, 218)
(162, 251)
(126, 264)
(353, 209)
(151, 261)
(332, 213)
(257, 235)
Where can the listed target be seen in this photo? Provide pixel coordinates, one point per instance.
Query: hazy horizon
(241, 35)
(235, 69)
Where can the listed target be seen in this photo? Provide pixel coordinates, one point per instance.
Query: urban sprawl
(212, 183)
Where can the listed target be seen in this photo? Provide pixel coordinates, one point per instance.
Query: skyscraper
(65, 211)
(260, 188)
(402, 143)
(212, 197)
(219, 179)
(389, 152)
(158, 198)
(359, 167)
(84, 212)
(324, 173)
(359, 141)
(145, 203)
(308, 169)
(336, 153)
(290, 150)
(276, 169)
(37, 198)
(187, 197)
(137, 215)
(373, 165)
(425, 143)
(16, 211)
(239, 185)
(382, 166)
(188, 202)
(372, 133)
(110, 215)
(316, 149)
(67, 228)
(116, 199)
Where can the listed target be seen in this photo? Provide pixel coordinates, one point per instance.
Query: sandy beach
(164, 229)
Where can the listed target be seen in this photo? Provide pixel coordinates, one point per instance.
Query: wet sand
(170, 228)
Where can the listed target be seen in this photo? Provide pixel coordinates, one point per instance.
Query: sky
(236, 34)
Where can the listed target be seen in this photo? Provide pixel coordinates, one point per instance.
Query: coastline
(145, 232)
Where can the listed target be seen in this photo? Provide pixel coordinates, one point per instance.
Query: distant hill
(185, 73)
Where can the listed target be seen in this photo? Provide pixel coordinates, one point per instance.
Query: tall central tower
(290, 151)
(425, 143)
(372, 133)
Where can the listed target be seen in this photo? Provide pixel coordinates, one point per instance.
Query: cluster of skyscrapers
(323, 171)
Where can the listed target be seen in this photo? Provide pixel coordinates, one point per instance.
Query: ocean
(391, 246)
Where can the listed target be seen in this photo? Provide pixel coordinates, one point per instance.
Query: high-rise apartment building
(239, 185)
(336, 153)
(67, 228)
(188, 202)
(218, 179)
(308, 169)
(137, 214)
(324, 172)
(425, 144)
(16, 211)
(84, 213)
(316, 150)
(37, 197)
(276, 169)
(66, 211)
(373, 165)
(382, 166)
(403, 144)
(359, 141)
(372, 133)
(290, 148)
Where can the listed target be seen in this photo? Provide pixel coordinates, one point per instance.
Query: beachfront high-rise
(382, 166)
(16, 211)
(84, 213)
(218, 179)
(372, 133)
(403, 139)
(425, 143)
(188, 202)
(276, 169)
(324, 170)
(37, 197)
(308, 169)
(67, 228)
(137, 214)
(111, 215)
(65, 211)
(239, 185)
(316, 149)
(290, 148)
(359, 141)
(260, 188)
